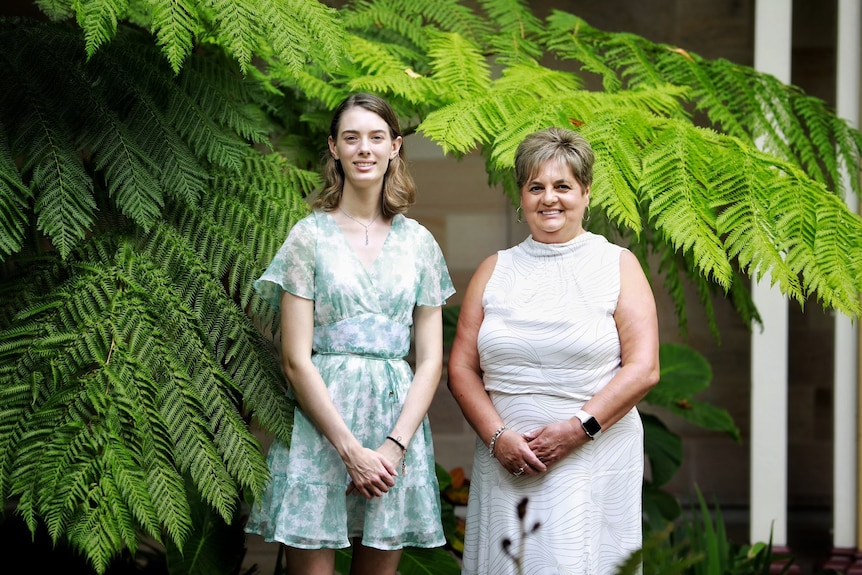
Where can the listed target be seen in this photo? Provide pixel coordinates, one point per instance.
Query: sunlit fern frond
(406, 21)
(381, 71)
(516, 31)
(679, 199)
(458, 65)
(176, 28)
(736, 99)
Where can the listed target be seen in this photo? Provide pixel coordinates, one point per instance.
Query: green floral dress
(362, 327)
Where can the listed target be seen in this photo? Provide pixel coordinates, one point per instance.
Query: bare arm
(428, 329)
(637, 324)
(465, 378)
(371, 472)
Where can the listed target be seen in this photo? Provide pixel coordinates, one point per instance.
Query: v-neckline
(370, 267)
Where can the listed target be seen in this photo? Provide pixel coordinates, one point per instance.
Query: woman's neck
(365, 205)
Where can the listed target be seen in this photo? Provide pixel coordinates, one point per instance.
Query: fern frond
(303, 31)
(140, 77)
(176, 28)
(248, 360)
(818, 234)
(679, 202)
(129, 171)
(569, 37)
(316, 88)
(98, 19)
(38, 132)
(737, 99)
(381, 71)
(64, 213)
(746, 220)
(56, 10)
(459, 65)
(14, 198)
(235, 26)
(256, 215)
(514, 39)
(406, 21)
(132, 357)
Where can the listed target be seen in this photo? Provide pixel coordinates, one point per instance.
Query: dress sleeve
(435, 284)
(292, 268)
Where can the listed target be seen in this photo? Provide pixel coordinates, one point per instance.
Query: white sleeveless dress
(547, 344)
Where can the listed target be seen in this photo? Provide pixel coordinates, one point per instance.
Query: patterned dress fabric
(547, 344)
(362, 333)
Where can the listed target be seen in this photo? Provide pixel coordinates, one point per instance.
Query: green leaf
(662, 447)
(436, 561)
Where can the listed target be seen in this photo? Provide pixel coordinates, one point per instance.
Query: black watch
(590, 424)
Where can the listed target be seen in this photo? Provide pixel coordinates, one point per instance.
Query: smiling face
(553, 203)
(364, 146)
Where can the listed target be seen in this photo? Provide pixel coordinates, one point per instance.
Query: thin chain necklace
(360, 223)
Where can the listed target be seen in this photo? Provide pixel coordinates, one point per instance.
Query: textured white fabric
(547, 344)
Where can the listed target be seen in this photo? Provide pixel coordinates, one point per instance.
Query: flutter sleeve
(435, 284)
(292, 268)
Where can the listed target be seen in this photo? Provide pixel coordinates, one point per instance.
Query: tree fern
(131, 363)
(128, 361)
(736, 99)
(296, 31)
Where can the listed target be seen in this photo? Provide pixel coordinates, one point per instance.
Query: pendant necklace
(360, 223)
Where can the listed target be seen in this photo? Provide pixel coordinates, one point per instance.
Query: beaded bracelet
(494, 439)
(403, 452)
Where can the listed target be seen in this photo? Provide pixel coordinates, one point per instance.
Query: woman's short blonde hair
(554, 143)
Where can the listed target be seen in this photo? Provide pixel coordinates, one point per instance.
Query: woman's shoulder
(411, 227)
(309, 222)
(602, 243)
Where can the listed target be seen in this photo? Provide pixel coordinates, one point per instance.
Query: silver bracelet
(494, 439)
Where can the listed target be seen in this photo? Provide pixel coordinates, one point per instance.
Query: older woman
(557, 341)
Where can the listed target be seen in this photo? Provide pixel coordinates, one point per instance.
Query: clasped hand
(535, 451)
(373, 472)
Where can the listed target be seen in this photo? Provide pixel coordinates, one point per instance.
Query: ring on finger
(519, 472)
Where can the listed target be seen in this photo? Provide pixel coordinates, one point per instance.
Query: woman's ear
(396, 147)
(332, 148)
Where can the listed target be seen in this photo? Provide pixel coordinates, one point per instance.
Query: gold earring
(587, 216)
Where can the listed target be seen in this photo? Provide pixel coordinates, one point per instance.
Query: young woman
(352, 280)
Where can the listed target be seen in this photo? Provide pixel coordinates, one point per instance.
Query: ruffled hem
(316, 517)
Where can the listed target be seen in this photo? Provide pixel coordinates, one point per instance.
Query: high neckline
(537, 248)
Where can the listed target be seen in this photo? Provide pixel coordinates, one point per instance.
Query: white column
(772, 51)
(846, 359)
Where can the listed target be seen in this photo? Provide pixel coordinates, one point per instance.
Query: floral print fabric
(362, 325)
